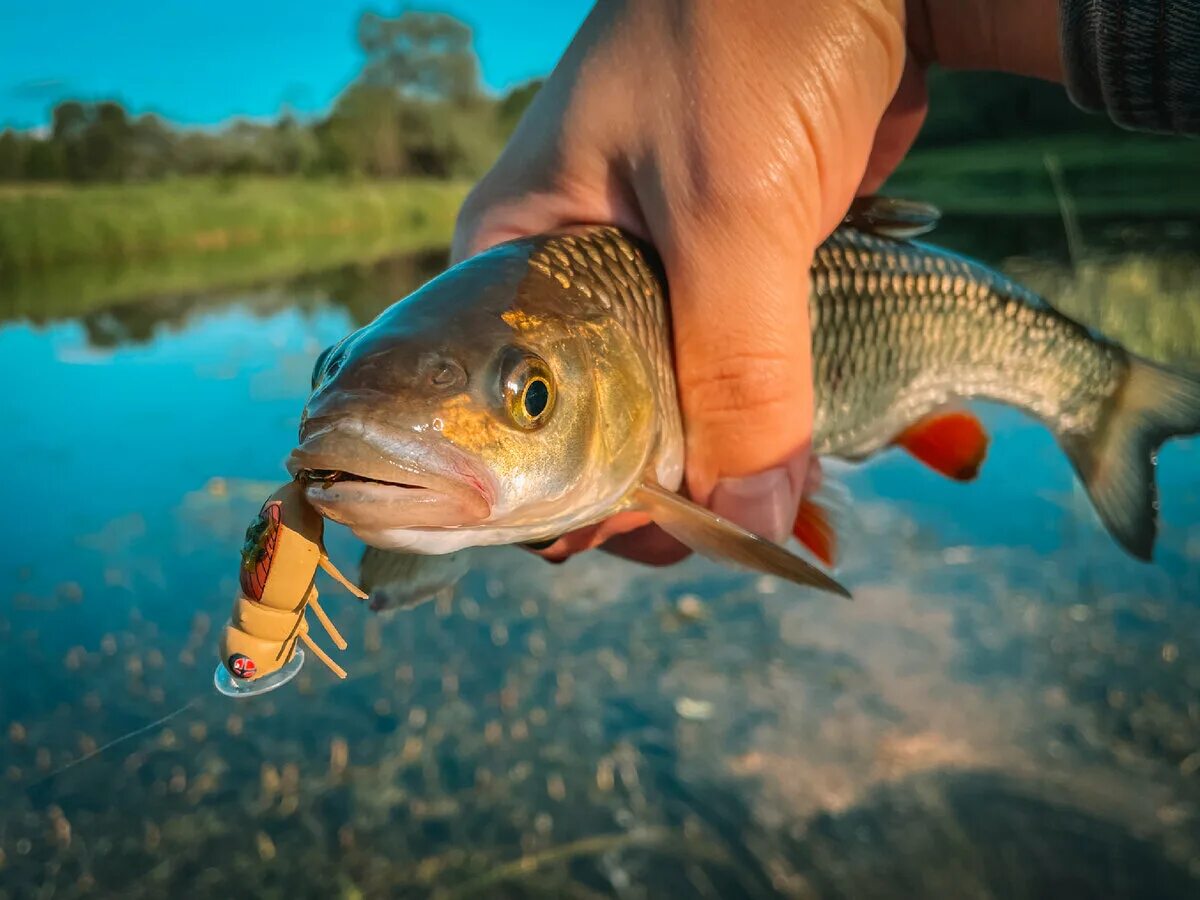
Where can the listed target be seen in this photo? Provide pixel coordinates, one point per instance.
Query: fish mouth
(355, 481)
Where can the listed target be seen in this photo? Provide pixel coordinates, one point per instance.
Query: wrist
(1016, 36)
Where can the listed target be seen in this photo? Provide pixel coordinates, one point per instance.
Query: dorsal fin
(889, 217)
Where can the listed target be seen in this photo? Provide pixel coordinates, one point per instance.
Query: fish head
(486, 407)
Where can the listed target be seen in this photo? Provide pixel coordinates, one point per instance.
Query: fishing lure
(260, 644)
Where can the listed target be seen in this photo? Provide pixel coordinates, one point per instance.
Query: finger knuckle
(731, 387)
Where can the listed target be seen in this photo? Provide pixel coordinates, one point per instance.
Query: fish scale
(900, 329)
(613, 273)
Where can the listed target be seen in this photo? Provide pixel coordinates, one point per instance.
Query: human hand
(733, 137)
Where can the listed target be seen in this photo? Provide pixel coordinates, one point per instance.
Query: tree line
(418, 108)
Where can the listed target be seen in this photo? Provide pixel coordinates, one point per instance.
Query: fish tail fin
(1116, 461)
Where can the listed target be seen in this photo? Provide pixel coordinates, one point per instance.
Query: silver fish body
(901, 329)
(423, 398)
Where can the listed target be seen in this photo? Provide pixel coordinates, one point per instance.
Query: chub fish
(529, 391)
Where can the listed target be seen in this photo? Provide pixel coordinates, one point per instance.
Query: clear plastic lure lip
(226, 684)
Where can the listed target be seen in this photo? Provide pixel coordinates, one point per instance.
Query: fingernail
(765, 503)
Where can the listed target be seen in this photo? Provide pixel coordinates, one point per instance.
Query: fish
(529, 390)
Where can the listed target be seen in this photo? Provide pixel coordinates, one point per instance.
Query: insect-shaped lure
(260, 644)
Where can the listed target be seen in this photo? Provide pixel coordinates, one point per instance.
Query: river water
(1009, 708)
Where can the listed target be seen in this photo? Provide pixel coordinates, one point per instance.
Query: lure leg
(336, 635)
(322, 655)
(341, 579)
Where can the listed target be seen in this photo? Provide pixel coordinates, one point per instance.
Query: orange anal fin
(814, 530)
(953, 444)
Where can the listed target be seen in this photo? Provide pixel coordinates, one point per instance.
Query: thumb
(740, 317)
(737, 218)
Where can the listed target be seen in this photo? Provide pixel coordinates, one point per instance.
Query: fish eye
(537, 397)
(528, 388)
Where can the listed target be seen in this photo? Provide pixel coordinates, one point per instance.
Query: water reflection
(362, 289)
(1137, 283)
(1007, 709)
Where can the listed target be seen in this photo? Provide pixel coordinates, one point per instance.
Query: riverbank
(48, 226)
(71, 250)
(68, 250)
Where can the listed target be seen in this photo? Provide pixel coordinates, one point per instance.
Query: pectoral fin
(722, 540)
(403, 580)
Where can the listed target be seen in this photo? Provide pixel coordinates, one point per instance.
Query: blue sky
(203, 61)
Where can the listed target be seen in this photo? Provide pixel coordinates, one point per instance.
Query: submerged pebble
(694, 710)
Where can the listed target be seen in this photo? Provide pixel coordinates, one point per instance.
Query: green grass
(1139, 175)
(76, 290)
(67, 250)
(44, 227)
(1149, 304)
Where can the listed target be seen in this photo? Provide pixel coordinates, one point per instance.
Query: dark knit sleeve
(1137, 60)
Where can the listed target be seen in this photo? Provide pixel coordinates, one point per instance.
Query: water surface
(1008, 709)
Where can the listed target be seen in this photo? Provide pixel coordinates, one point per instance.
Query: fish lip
(309, 466)
(365, 506)
(378, 470)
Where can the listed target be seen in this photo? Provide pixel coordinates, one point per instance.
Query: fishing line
(265, 622)
(122, 739)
